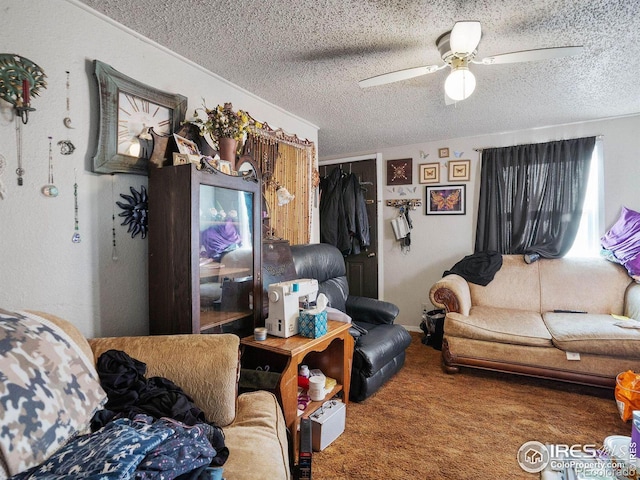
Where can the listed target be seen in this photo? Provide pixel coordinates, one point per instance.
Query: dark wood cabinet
(205, 271)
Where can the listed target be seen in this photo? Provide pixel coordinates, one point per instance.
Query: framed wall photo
(186, 146)
(459, 170)
(443, 152)
(400, 172)
(445, 200)
(429, 172)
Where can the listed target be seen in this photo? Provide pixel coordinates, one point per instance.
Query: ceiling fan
(458, 49)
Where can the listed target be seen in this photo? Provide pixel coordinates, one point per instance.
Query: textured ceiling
(307, 57)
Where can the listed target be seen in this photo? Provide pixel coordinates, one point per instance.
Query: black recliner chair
(379, 344)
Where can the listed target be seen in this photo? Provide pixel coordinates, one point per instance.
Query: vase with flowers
(225, 127)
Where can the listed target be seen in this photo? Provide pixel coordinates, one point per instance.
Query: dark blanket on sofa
(478, 268)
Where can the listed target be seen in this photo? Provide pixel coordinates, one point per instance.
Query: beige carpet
(425, 424)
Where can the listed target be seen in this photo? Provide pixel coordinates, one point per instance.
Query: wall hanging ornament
(50, 190)
(3, 166)
(67, 119)
(66, 146)
(20, 170)
(114, 250)
(75, 238)
(135, 211)
(20, 79)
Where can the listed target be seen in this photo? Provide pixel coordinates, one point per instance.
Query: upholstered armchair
(379, 344)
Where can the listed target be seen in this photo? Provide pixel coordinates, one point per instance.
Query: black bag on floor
(433, 327)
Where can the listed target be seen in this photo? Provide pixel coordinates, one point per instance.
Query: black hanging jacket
(355, 209)
(333, 222)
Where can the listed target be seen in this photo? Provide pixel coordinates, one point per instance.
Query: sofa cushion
(592, 285)
(592, 333)
(49, 390)
(516, 285)
(502, 325)
(257, 439)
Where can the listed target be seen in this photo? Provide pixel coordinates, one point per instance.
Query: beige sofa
(206, 367)
(513, 323)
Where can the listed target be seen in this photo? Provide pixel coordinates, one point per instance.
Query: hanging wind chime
(114, 251)
(76, 229)
(50, 190)
(66, 147)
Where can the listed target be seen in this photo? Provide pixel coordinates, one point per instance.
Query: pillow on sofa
(623, 239)
(48, 393)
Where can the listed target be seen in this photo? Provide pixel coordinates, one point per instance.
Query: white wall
(40, 268)
(438, 242)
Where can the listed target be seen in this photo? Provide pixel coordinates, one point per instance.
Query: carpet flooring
(426, 424)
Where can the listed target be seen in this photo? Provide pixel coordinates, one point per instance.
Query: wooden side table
(332, 353)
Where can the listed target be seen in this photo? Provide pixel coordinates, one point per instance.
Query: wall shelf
(411, 203)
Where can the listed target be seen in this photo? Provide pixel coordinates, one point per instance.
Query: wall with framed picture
(429, 172)
(400, 172)
(445, 200)
(459, 170)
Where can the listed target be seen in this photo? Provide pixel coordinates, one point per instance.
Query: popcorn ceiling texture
(307, 57)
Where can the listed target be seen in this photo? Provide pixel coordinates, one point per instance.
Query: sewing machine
(285, 300)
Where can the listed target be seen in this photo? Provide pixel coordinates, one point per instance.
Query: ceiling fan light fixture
(460, 84)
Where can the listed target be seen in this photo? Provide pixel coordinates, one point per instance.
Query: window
(587, 242)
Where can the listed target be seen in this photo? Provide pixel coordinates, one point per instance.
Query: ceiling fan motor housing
(443, 43)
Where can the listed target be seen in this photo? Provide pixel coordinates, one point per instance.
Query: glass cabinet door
(226, 256)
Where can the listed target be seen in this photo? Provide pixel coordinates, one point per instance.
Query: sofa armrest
(371, 310)
(632, 301)
(451, 293)
(206, 367)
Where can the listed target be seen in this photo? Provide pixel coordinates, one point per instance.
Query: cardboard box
(312, 325)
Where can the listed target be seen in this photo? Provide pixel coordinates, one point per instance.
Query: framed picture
(429, 172)
(186, 146)
(445, 200)
(129, 112)
(400, 172)
(224, 166)
(443, 153)
(459, 170)
(184, 158)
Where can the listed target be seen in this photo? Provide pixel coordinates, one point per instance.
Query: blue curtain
(531, 197)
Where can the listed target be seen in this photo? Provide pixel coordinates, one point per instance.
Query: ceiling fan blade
(465, 37)
(531, 55)
(398, 75)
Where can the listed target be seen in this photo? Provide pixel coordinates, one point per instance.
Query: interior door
(362, 269)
